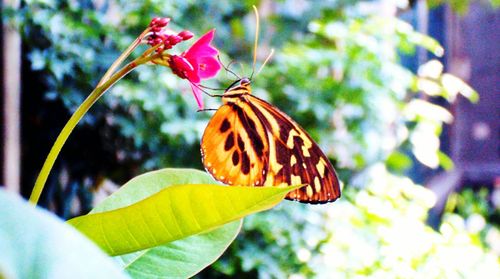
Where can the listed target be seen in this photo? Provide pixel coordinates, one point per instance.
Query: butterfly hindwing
(299, 160)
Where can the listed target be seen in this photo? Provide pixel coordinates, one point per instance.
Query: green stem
(123, 56)
(75, 118)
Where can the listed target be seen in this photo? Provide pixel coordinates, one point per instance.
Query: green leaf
(150, 183)
(182, 258)
(445, 161)
(398, 161)
(36, 244)
(459, 6)
(173, 213)
(454, 85)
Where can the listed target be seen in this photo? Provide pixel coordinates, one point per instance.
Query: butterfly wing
(250, 142)
(232, 146)
(294, 157)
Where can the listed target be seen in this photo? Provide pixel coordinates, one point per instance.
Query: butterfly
(251, 142)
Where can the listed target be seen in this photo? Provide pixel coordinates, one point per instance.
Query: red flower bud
(174, 39)
(185, 35)
(157, 40)
(153, 21)
(156, 29)
(163, 21)
(159, 22)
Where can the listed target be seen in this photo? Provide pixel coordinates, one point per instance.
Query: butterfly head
(240, 86)
(245, 82)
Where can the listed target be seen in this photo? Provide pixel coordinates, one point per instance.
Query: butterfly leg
(202, 110)
(204, 91)
(210, 88)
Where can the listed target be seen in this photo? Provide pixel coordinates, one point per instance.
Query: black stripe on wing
(300, 156)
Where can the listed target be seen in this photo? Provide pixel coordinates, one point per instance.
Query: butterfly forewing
(233, 151)
(250, 142)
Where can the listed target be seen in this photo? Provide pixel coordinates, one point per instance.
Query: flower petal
(208, 67)
(197, 94)
(202, 47)
(182, 67)
(193, 76)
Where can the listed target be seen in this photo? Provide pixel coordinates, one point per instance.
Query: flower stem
(123, 56)
(75, 118)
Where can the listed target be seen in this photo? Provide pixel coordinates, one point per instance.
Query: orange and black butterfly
(250, 142)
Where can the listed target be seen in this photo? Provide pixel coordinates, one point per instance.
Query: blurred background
(401, 95)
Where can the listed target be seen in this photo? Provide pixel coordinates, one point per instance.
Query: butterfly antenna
(265, 61)
(227, 67)
(256, 40)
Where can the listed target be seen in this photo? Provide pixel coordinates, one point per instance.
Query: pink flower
(197, 63)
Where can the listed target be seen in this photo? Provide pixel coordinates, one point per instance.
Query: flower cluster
(164, 37)
(197, 63)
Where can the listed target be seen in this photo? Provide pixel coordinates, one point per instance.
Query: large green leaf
(173, 212)
(182, 258)
(178, 259)
(36, 244)
(150, 183)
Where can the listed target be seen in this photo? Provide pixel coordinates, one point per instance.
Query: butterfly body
(250, 142)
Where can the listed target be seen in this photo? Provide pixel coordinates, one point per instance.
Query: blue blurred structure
(473, 140)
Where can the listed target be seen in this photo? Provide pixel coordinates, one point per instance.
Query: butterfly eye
(244, 81)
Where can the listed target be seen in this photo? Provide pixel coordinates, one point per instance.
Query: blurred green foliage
(462, 6)
(336, 71)
(378, 232)
(480, 209)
